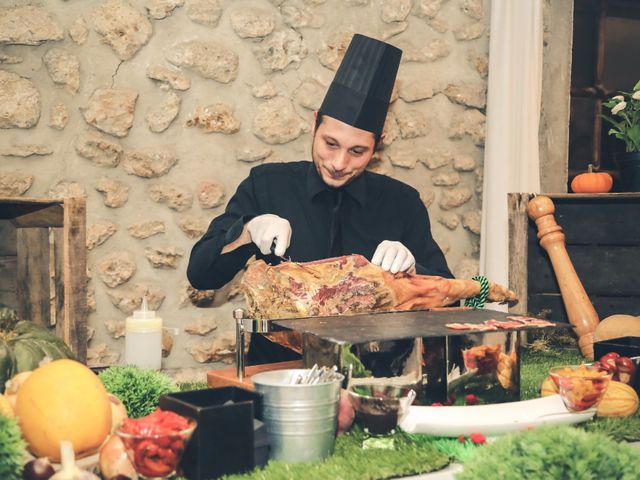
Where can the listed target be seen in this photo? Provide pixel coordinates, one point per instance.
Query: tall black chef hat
(360, 92)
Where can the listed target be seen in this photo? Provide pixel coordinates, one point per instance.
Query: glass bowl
(581, 387)
(156, 456)
(379, 408)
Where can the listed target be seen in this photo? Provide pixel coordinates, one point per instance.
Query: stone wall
(155, 110)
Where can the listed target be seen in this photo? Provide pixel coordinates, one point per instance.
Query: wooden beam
(28, 216)
(518, 248)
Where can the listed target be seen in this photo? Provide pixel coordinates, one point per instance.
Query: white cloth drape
(511, 162)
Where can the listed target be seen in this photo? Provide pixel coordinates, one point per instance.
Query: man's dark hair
(377, 136)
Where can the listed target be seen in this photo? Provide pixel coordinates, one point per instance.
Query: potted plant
(625, 121)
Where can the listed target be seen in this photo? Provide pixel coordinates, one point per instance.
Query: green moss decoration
(554, 452)
(350, 461)
(12, 448)
(140, 390)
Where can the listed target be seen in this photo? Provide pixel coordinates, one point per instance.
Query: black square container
(230, 437)
(626, 347)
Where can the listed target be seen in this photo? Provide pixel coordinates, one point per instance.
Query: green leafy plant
(138, 389)
(12, 448)
(553, 452)
(625, 117)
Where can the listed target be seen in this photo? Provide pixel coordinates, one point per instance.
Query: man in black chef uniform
(331, 206)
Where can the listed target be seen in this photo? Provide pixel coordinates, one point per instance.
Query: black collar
(357, 188)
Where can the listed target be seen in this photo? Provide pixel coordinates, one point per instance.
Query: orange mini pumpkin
(592, 182)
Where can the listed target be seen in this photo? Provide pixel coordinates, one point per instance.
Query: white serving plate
(493, 419)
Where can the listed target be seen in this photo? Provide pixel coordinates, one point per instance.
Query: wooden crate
(603, 241)
(43, 266)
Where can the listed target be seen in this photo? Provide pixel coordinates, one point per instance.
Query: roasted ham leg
(349, 285)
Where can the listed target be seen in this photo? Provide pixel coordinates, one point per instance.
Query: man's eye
(357, 152)
(332, 144)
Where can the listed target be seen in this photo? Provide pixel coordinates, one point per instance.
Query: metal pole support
(238, 314)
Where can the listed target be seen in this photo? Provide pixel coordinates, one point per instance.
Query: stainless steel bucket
(301, 420)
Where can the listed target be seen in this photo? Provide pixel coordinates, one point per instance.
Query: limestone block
(467, 94)
(332, 51)
(98, 148)
(412, 124)
(252, 22)
(395, 10)
(358, 3)
(66, 188)
(197, 298)
(111, 110)
(78, 31)
(167, 342)
(264, 90)
(205, 12)
(100, 355)
(100, 232)
(380, 164)
(176, 197)
(19, 101)
(438, 24)
(14, 183)
(479, 183)
(211, 194)
(146, 229)
(217, 118)
(410, 52)
(193, 226)
(115, 192)
(428, 8)
(473, 9)
(28, 25)
(129, 297)
(277, 122)
(454, 197)
(159, 9)
(116, 328)
(122, 27)
(464, 163)
(116, 268)
(404, 156)
(58, 116)
(310, 94)
(253, 154)
(446, 179)
(450, 220)
(391, 130)
(163, 257)
(392, 29)
(479, 61)
(280, 50)
(472, 220)
(471, 122)
(436, 158)
(25, 150)
(216, 350)
(171, 76)
(209, 59)
(201, 326)
(92, 306)
(160, 116)
(467, 268)
(64, 68)
(414, 88)
(469, 32)
(427, 197)
(298, 16)
(149, 162)
(436, 50)
(315, 2)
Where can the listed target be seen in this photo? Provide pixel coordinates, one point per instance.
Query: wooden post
(579, 308)
(518, 249)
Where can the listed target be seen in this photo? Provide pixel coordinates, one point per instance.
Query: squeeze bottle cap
(144, 313)
(143, 319)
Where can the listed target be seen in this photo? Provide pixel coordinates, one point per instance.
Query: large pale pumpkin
(63, 400)
(619, 400)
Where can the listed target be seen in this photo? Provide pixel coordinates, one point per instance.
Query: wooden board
(33, 275)
(228, 378)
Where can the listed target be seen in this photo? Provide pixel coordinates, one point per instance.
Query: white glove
(267, 228)
(393, 257)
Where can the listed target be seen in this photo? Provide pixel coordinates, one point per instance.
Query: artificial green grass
(535, 365)
(350, 461)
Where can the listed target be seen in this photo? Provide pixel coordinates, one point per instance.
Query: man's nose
(340, 160)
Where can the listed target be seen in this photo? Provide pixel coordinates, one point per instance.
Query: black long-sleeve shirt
(374, 208)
